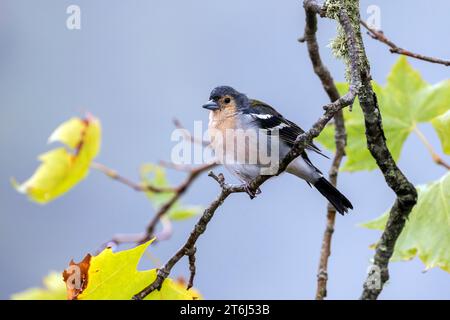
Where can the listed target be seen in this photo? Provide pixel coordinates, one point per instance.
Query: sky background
(137, 64)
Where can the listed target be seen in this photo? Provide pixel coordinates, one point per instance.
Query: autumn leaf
(156, 176)
(62, 168)
(404, 101)
(114, 276)
(54, 289)
(427, 230)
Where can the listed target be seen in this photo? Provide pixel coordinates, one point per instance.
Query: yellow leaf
(61, 169)
(54, 289)
(69, 132)
(114, 276)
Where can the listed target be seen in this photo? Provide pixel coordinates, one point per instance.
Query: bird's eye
(227, 100)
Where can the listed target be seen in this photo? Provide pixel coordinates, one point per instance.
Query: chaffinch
(233, 116)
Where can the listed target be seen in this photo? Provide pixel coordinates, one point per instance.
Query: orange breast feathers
(230, 143)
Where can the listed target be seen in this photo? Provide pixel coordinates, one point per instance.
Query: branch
(189, 246)
(379, 35)
(189, 136)
(406, 194)
(178, 191)
(299, 146)
(360, 85)
(135, 186)
(340, 141)
(192, 267)
(396, 180)
(436, 158)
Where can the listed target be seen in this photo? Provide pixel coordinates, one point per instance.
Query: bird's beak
(211, 105)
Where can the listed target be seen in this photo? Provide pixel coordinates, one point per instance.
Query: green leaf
(404, 101)
(62, 168)
(54, 289)
(156, 176)
(442, 126)
(427, 231)
(184, 213)
(114, 276)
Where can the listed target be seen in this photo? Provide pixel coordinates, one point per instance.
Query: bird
(233, 117)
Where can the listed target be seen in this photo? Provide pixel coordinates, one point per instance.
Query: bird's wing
(270, 119)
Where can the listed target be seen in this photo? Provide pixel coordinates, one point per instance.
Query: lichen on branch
(334, 9)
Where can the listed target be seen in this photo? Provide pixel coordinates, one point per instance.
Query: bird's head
(226, 98)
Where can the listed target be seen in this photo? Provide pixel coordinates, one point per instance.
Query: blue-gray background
(135, 65)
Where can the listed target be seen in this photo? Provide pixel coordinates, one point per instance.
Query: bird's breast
(233, 142)
(220, 126)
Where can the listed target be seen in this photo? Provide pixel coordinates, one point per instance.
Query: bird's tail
(336, 198)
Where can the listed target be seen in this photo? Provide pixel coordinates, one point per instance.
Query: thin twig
(179, 191)
(192, 268)
(176, 166)
(188, 135)
(199, 228)
(379, 35)
(193, 173)
(436, 158)
(340, 141)
(135, 186)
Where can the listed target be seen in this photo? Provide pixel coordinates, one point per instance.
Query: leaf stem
(436, 158)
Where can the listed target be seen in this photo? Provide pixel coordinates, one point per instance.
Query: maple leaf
(404, 101)
(114, 276)
(427, 230)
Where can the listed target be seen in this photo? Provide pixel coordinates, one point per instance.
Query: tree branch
(360, 85)
(347, 14)
(199, 228)
(178, 191)
(340, 141)
(299, 146)
(135, 186)
(396, 180)
(379, 35)
(192, 267)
